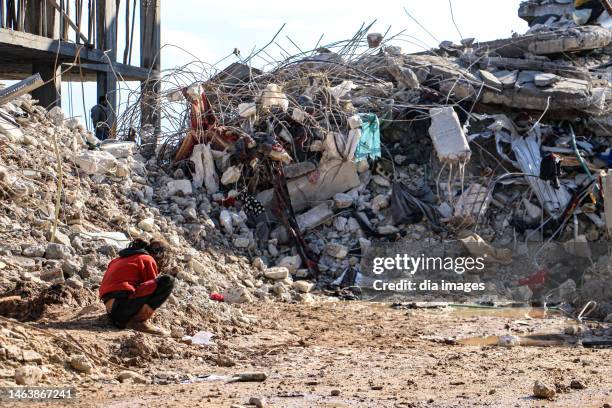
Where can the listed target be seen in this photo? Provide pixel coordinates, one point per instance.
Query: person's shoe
(148, 328)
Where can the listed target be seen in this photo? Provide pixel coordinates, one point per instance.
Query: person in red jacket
(132, 288)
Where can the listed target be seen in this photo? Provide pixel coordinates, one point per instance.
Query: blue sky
(210, 30)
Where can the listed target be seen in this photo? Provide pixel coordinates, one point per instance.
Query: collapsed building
(273, 183)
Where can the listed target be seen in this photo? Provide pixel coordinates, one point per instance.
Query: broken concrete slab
(335, 176)
(96, 162)
(544, 79)
(491, 79)
(447, 136)
(183, 186)
(549, 42)
(314, 217)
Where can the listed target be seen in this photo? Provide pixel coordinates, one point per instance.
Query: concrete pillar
(106, 40)
(50, 94)
(150, 45)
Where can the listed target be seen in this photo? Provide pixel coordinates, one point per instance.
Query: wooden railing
(70, 20)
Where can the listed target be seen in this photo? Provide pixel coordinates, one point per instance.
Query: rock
(74, 282)
(28, 375)
(52, 273)
(231, 175)
(259, 402)
(190, 214)
(70, 267)
(381, 181)
(57, 251)
(237, 296)
(509, 341)
(353, 225)
(387, 230)
(131, 376)
(314, 217)
(242, 242)
(342, 200)
(577, 385)
(259, 264)
(197, 267)
(147, 224)
(292, 263)
(507, 78)
(59, 238)
(31, 356)
(542, 390)
(491, 80)
(445, 210)
(119, 150)
(81, 363)
(336, 250)
(365, 245)
(33, 251)
(277, 273)
(225, 219)
(522, 293)
(187, 277)
(303, 286)
(182, 186)
(95, 162)
(380, 202)
(340, 223)
(334, 393)
(545, 79)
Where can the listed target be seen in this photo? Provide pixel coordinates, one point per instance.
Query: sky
(211, 30)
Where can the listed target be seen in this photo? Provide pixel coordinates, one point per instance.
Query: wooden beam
(123, 71)
(49, 45)
(69, 21)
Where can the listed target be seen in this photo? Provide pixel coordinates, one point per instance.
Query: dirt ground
(352, 354)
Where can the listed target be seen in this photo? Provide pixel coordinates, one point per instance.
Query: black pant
(127, 306)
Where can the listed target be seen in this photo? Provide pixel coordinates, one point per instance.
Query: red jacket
(128, 273)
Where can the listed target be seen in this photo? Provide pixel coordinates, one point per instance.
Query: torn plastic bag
(409, 206)
(528, 159)
(369, 143)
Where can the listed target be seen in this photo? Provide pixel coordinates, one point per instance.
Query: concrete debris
(28, 375)
(543, 391)
(277, 273)
(447, 136)
(81, 363)
(283, 184)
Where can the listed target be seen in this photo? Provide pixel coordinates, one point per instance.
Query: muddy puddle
(523, 312)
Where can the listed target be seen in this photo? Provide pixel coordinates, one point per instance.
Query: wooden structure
(77, 40)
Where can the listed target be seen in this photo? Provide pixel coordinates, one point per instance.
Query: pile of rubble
(67, 210)
(305, 166)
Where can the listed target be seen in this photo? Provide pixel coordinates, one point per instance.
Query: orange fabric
(127, 274)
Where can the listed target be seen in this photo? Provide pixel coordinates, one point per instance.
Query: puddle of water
(537, 340)
(506, 312)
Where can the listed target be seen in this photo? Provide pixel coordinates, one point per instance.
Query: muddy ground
(343, 354)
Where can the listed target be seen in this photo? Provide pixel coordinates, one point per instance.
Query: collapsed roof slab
(548, 43)
(534, 9)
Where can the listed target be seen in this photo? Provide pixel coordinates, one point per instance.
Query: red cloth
(217, 296)
(135, 274)
(536, 280)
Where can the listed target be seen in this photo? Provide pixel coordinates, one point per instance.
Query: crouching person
(132, 288)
